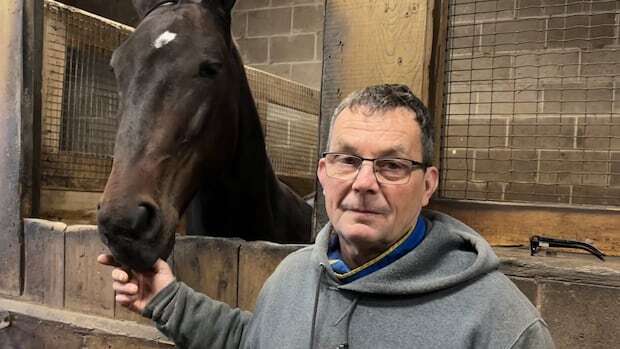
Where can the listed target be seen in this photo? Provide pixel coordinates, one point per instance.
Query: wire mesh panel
(80, 106)
(289, 114)
(532, 102)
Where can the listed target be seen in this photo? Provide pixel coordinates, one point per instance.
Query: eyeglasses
(387, 170)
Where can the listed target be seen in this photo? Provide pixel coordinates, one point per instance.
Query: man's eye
(392, 165)
(348, 160)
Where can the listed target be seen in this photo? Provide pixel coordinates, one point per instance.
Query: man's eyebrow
(396, 151)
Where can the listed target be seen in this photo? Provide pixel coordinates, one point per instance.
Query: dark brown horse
(189, 129)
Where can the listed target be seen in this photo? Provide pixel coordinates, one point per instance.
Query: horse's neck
(247, 193)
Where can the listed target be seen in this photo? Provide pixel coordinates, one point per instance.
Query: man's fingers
(125, 288)
(120, 275)
(124, 299)
(107, 259)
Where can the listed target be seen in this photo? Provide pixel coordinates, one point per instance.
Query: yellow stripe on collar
(378, 258)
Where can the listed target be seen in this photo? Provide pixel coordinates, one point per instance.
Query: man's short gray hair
(387, 97)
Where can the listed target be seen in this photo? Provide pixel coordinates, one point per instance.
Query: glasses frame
(415, 165)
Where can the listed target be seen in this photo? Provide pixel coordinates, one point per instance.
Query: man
(380, 274)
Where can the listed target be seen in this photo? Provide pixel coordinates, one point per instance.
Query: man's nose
(366, 180)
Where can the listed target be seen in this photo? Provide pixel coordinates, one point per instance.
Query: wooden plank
(44, 274)
(512, 224)
(258, 260)
(11, 90)
(208, 265)
(71, 207)
(437, 76)
(560, 266)
(88, 284)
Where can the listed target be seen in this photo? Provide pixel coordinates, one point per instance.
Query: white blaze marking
(164, 39)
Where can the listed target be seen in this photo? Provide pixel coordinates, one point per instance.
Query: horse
(189, 129)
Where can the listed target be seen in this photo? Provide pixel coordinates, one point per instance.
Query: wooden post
(11, 155)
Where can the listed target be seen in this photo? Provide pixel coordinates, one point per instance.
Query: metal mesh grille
(80, 105)
(532, 102)
(80, 100)
(289, 114)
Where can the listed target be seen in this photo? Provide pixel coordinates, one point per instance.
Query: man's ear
(143, 7)
(431, 181)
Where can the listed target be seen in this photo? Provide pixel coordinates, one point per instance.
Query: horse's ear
(226, 5)
(143, 7)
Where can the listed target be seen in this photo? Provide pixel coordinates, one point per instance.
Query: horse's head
(176, 79)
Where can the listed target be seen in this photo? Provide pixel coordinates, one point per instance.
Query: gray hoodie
(446, 293)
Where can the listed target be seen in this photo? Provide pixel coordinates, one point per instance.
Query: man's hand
(135, 290)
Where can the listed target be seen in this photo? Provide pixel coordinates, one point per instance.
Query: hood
(450, 255)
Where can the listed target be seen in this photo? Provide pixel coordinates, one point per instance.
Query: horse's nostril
(142, 218)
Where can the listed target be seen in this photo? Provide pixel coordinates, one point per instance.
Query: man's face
(368, 214)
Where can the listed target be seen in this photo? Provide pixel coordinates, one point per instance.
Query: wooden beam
(512, 224)
(11, 156)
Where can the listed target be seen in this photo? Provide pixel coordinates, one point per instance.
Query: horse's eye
(209, 70)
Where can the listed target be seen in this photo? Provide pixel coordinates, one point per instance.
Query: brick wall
(283, 37)
(533, 101)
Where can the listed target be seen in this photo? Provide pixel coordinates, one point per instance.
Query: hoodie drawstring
(316, 305)
(349, 316)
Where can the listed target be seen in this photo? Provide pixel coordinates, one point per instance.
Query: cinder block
(530, 8)
(532, 192)
(45, 268)
(208, 265)
(250, 4)
(581, 316)
(254, 50)
(514, 35)
(598, 132)
(257, 260)
(603, 30)
(603, 64)
(279, 69)
(596, 195)
(269, 22)
(294, 2)
(88, 284)
(493, 10)
(308, 18)
(292, 48)
(239, 24)
(307, 73)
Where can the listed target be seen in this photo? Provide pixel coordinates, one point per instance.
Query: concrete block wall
(533, 102)
(283, 37)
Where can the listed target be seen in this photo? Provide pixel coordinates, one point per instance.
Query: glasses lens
(395, 171)
(342, 166)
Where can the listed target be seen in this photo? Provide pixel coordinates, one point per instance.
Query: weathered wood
(44, 273)
(11, 90)
(512, 224)
(565, 267)
(88, 284)
(209, 265)
(581, 316)
(37, 326)
(71, 207)
(258, 260)
(437, 72)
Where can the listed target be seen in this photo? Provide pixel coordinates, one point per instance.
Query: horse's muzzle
(133, 234)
